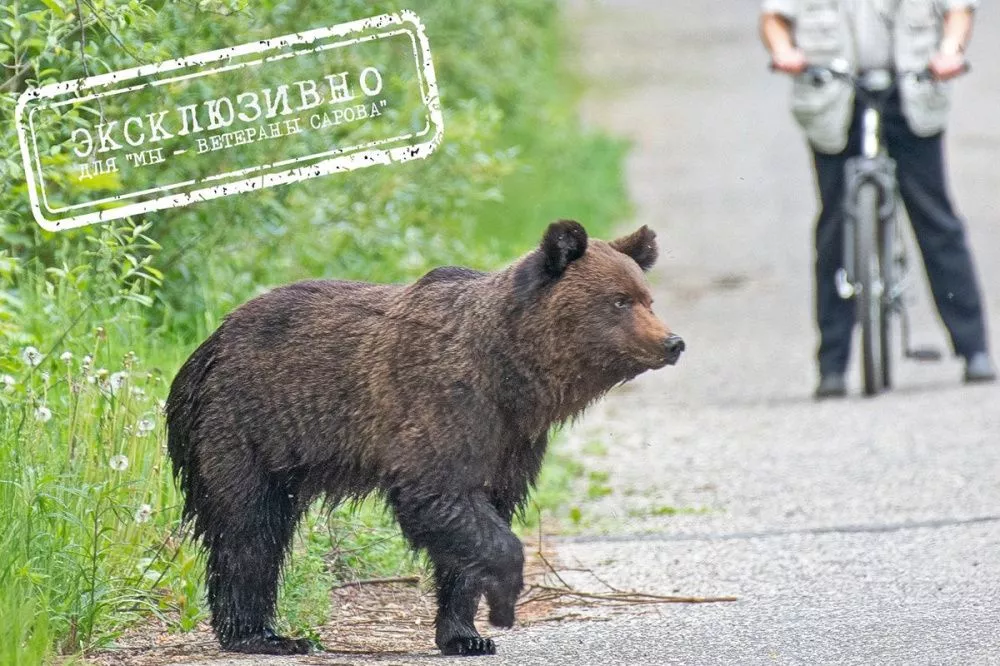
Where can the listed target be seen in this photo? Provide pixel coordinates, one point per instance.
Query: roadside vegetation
(94, 322)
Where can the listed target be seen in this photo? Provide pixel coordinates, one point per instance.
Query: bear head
(595, 302)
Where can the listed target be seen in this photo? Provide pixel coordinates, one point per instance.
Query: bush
(95, 321)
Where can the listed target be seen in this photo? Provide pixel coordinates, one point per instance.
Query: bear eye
(622, 301)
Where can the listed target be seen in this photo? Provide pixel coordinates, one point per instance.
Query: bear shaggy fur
(438, 395)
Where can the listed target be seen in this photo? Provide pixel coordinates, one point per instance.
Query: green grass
(89, 510)
(597, 485)
(351, 543)
(595, 448)
(548, 507)
(666, 510)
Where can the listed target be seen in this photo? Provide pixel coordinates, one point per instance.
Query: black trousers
(939, 232)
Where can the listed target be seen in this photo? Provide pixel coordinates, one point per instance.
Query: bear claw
(470, 647)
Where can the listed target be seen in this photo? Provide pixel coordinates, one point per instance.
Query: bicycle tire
(887, 236)
(869, 296)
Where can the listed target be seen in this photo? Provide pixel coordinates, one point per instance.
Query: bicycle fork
(879, 169)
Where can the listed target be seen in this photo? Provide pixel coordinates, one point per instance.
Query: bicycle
(875, 268)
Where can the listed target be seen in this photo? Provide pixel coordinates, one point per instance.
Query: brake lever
(817, 74)
(927, 75)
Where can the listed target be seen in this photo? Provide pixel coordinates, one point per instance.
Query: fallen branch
(549, 593)
(409, 580)
(558, 618)
(540, 593)
(604, 582)
(551, 568)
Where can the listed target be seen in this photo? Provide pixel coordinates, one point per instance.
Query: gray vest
(823, 32)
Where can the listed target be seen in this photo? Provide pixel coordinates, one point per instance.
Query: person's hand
(790, 60)
(948, 62)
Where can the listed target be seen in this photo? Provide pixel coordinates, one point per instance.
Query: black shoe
(831, 385)
(979, 368)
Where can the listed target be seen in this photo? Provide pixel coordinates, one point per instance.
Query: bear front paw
(469, 647)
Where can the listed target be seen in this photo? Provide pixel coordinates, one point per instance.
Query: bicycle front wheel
(868, 270)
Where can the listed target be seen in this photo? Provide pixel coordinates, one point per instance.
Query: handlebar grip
(928, 75)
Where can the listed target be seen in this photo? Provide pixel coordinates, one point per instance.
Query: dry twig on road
(409, 580)
(565, 594)
(551, 593)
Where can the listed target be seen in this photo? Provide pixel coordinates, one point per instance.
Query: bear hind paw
(270, 643)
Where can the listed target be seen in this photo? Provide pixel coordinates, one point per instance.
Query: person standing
(898, 36)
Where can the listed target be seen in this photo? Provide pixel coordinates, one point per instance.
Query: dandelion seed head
(32, 356)
(117, 380)
(8, 383)
(119, 463)
(43, 413)
(145, 426)
(143, 514)
(66, 357)
(87, 361)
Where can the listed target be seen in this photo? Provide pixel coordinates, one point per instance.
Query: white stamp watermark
(233, 120)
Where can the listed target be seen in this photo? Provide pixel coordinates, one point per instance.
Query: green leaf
(56, 7)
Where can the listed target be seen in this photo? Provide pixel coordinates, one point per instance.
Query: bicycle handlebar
(817, 74)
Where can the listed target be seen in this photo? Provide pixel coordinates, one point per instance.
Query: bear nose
(673, 348)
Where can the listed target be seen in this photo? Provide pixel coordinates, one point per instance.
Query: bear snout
(672, 348)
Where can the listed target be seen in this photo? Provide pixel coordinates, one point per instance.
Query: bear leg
(474, 551)
(246, 545)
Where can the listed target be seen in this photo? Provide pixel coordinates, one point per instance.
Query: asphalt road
(863, 531)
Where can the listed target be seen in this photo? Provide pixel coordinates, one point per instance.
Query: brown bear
(437, 395)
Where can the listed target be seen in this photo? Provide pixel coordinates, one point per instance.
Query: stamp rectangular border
(337, 160)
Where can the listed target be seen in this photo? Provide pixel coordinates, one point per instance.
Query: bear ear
(564, 241)
(640, 245)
